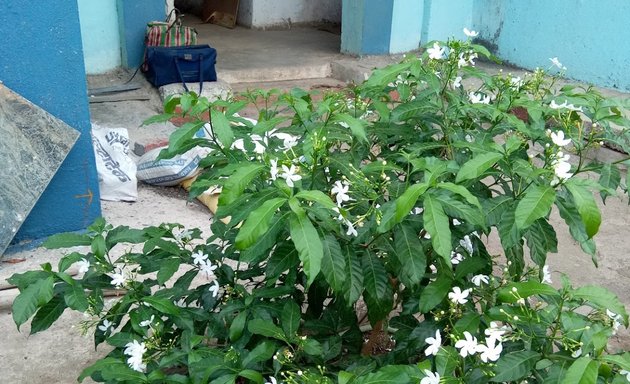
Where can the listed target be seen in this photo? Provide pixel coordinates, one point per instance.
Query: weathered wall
(133, 16)
(443, 19)
(284, 13)
(591, 38)
(406, 30)
(99, 32)
(42, 59)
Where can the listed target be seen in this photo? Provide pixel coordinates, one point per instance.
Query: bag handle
(181, 77)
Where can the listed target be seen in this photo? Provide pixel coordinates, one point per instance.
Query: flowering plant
(351, 245)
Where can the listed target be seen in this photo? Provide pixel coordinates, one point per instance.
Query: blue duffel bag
(187, 64)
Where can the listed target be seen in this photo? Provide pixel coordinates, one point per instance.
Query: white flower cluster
(478, 98)
(135, 351)
(120, 276)
(564, 105)
(617, 320)
(466, 59)
(340, 191)
(207, 268)
(289, 174)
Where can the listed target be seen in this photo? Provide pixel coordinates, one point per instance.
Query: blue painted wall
(591, 38)
(377, 21)
(42, 59)
(443, 19)
(406, 28)
(351, 26)
(100, 35)
(133, 16)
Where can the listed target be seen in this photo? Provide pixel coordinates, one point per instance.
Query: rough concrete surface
(59, 354)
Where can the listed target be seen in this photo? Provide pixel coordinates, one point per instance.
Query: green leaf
(221, 128)
(257, 223)
(383, 376)
(252, 375)
(446, 360)
(265, 328)
(355, 125)
(68, 260)
(238, 181)
(383, 76)
(354, 276)
(476, 166)
(404, 205)
(98, 366)
(290, 319)
(168, 268)
(571, 217)
(435, 292)
(237, 326)
(163, 305)
(122, 372)
(515, 365)
(378, 291)
(180, 136)
(525, 290)
(47, 314)
(437, 225)
(411, 255)
(124, 234)
(462, 191)
(601, 298)
(610, 178)
(67, 240)
(541, 239)
(316, 196)
(309, 245)
(333, 264)
(262, 352)
(75, 297)
(285, 256)
(586, 206)
(622, 361)
(535, 205)
(582, 371)
(34, 296)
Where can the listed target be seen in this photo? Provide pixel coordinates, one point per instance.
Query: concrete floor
(248, 59)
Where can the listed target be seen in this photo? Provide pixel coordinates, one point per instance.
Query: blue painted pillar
(45, 65)
(366, 26)
(133, 16)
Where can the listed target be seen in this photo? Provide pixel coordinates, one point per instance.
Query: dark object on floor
(113, 89)
(192, 64)
(220, 12)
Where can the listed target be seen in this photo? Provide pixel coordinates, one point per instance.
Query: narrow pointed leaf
(290, 319)
(47, 314)
(477, 166)
(221, 128)
(333, 264)
(410, 254)
(435, 292)
(586, 206)
(265, 328)
(610, 177)
(309, 245)
(354, 276)
(34, 296)
(437, 225)
(515, 365)
(462, 191)
(238, 181)
(601, 298)
(378, 292)
(257, 223)
(67, 240)
(536, 204)
(541, 240)
(582, 371)
(316, 196)
(406, 201)
(355, 125)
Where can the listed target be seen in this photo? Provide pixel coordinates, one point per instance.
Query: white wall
(284, 13)
(100, 35)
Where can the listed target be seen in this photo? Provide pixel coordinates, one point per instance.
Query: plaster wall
(406, 30)
(590, 38)
(99, 32)
(45, 65)
(442, 19)
(284, 13)
(133, 16)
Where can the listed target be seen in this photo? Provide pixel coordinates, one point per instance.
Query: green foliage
(353, 242)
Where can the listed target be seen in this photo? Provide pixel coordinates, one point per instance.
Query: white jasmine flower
(495, 332)
(417, 211)
(554, 105)
(558, 139)
(288, 142)
(469, 138)
(207, 268)
(436, 52)
(466, 243)
(83, 265)
(290, 175)
(199, 257)
(561, 167)
(118, 277)
(456, 222)
(557, 63)
(577, 353)
(516, 82)
(274, 169)
(433, 268)
(617, 320)
(147, 323)
(340, 190)
(574, 108)
(272, 380)
(478, 279)
(625, 373)
(214, 288)
(478, 98)
(456, 258)
(135, 351)
(461, 61)
(491, 351)
(467, 346)
(546, 275)
(105, 326)
(458, 296)
(470, 33)
(182, 235)
(434, 344)
(457, 82)
(336, 210)
(430, 377)
(351, 230)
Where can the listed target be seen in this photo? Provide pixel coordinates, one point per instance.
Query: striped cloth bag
(169, 34)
